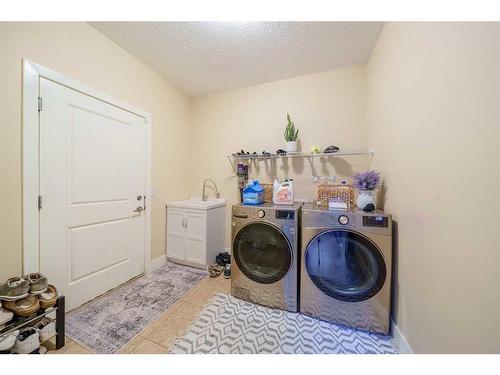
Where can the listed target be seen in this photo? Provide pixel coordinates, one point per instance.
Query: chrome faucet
(204, 196)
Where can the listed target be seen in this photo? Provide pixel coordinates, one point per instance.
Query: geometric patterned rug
(231, 325)
(107, 323)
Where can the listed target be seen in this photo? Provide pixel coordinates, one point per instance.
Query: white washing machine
(264, 261)
(346, 267)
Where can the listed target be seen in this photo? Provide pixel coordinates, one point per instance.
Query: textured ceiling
(202, 58)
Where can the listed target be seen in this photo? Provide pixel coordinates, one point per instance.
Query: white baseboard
(399, 339)
(157, 263)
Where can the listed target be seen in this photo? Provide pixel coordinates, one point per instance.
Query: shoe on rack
(13, 289)
(38, 282)
(23, 307)
(48, 298)
(27, 341)
(7, 341)
(46, 329)
(331, 150)
(227, 271)
(5, 316)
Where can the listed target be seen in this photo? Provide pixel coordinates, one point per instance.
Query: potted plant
(291, 135)
(366, 183)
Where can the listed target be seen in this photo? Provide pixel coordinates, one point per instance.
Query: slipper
(23, 307)
(48, 298)
(215, 270)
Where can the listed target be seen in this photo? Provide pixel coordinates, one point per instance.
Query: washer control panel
(285, 214)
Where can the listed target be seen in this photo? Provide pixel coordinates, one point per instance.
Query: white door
(92, 181)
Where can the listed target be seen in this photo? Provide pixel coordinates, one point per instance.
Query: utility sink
(198, 203)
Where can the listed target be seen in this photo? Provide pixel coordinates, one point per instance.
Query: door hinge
(39, 202)
(40, 104)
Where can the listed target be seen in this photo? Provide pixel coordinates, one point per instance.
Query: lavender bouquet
(369, 180)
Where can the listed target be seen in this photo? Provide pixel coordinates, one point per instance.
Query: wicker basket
(346, 192)
(268, 192)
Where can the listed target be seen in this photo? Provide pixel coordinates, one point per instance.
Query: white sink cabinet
(195, 231)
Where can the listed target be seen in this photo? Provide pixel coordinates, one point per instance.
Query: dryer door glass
(345, 265)
(262, 253)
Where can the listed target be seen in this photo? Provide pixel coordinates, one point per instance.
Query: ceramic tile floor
(160, 334)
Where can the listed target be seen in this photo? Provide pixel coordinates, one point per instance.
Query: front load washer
(346, 267)
(264, 261)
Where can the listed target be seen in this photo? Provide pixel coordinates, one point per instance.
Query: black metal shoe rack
(20, 322)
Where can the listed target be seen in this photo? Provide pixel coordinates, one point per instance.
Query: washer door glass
(262, 253)
(345, 265)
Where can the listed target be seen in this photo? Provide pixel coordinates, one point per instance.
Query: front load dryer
(264, 261)
(346, 267)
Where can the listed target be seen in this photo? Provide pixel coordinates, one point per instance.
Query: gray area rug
(106, 324)
(230, 325)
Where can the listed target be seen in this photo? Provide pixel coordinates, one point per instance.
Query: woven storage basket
(346, 192)
(268, 192)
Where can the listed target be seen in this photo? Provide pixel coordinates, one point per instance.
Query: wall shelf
(309, 155)
(369, 151)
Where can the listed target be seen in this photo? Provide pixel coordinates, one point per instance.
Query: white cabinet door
(92, 169)
(176, 234)
(195, 237)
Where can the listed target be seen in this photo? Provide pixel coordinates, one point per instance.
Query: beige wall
(78, 51)
(433, 114)
(328, 108)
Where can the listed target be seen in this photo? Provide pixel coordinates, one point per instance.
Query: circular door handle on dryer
(344, 220)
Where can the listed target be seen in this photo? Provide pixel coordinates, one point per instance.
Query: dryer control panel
(372, 222)
(376, 221)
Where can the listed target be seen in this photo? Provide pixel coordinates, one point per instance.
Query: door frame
(31, 154)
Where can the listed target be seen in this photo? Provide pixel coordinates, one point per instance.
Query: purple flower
(369, 180)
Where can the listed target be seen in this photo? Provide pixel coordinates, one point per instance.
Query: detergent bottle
(283, 192)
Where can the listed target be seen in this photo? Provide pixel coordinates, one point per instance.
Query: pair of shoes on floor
(215, 270)
(227, 271)
(28, 342)
(17, 288)
(223, 258)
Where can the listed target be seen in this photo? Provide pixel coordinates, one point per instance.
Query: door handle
(139, 209)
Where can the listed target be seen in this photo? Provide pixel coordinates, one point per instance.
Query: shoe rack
(20, 322)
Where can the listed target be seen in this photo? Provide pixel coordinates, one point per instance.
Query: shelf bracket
(231, 163)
